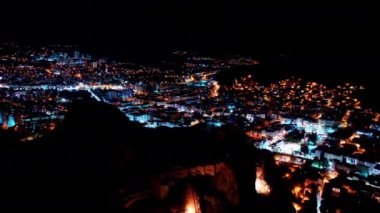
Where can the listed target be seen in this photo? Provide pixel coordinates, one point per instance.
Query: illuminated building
(112, 95)
(127, 93)
(11, 121)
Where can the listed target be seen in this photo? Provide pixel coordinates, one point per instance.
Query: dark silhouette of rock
(96, 158)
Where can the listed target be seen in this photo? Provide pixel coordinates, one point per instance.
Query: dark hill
(97, 157)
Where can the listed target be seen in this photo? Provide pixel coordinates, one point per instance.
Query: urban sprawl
(305, 124)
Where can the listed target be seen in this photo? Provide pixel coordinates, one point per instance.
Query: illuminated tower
(11, 121)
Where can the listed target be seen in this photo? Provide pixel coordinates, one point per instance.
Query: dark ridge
(97, 155)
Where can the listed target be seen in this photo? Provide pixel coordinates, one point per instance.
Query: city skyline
(305, 125)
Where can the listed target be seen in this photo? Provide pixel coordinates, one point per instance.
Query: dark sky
(319, 41)
(152, 26)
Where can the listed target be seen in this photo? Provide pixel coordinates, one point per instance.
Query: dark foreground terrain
(98, 159)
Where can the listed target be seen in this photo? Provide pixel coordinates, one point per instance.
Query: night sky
(344, 31)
